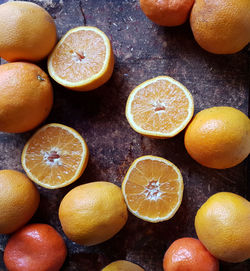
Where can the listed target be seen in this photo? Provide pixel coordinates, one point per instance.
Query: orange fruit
(160, 107)
(26, 97)
(122, 266)
(218, 137)
(221, 26)
(93, 213)
(27, 31)
(35, 247)
(223, 225)
(82, 60)
(19, 200)
(189, 254)
(55, 156)
(153, 188)
(167, 12)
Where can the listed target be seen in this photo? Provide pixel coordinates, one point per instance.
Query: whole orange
(26, 97)
(35, 247)
(188, 254)
(93, 213)
(19, 200)
(222, 224)
(221, 26)
(218, 137)
(27, 31)
(167, 12)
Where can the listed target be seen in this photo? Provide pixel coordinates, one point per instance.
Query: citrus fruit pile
(152, 190)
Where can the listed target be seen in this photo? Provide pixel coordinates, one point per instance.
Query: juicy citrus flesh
(189, 254)
(55, 156)
(160, 107)
(122, 266)
(222, 224)
(153, 188)
(82, 59)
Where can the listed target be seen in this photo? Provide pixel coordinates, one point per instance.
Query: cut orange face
(82, 60)
(55, 156)
(153, 188)
(161, 107)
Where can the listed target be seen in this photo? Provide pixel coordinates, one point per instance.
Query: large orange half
(82, 60)
(160, 107)
(153, 188)
(55, 156)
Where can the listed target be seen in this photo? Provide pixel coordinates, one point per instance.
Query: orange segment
(55, 156)
(82, 60)
(160, 107)
(153, 188)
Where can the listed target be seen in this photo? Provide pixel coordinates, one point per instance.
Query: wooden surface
(143, 50)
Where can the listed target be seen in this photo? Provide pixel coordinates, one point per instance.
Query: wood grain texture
(143, 50)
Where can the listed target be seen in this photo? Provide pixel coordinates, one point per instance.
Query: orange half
(55, 156)
(153, 188)
(160, 107)
(82, 60)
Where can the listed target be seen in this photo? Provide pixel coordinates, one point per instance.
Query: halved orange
(55, 156)
(82, 60)
(153, 188)
(160, 107)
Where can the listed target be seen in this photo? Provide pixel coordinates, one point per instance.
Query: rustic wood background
(142, 50)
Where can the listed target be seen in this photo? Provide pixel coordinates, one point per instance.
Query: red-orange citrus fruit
(167, 12)
(35, 247)
(189, 254)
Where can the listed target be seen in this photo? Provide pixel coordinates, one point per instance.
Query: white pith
(157, 104)
(156, 189)
(56, 161)
(74, 55)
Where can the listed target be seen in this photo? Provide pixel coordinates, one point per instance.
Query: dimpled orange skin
(26, 97)
(221, 26)
(167, 12)
(218, 137)
(35, 247)
(222, 224)
(188, 254)
(19, 200)
(93, 213)
(27, 31)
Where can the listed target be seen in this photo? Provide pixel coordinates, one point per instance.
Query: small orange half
(82, 60)
(55, 156)
(160, 107)
(153, 188)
